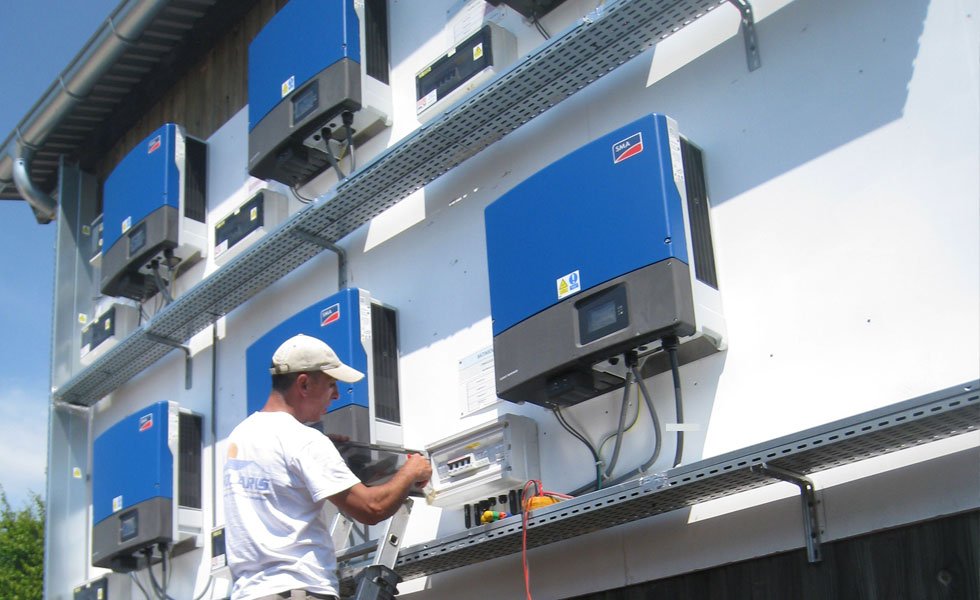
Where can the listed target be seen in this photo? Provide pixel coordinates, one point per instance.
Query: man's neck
(277, 403)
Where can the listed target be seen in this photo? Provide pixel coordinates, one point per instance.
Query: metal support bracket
(748, 34)
(811, 522)
(188, 364)
(326, 244)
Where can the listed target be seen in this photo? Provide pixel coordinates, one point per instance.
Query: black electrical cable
(132, 575)
(670, 344)
(161, 287)
(299, 196)
(584, 440)
(327, 136)
(537, 25)
(159, 591)
(653, 416)
(657, 444)
(348, 118)
(621, 428)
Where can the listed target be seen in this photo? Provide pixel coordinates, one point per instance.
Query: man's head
(305, 371)
(305, 354)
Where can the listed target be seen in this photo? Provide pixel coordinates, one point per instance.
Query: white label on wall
(476, 385)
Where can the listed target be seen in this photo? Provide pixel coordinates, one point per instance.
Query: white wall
(844, 183)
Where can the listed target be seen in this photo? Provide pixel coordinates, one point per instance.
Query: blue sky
(40, 38)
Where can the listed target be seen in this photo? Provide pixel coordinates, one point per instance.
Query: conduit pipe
(122, 29)
(45, 208)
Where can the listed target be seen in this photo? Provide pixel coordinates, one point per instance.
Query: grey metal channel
(606, 39)
(921, 420)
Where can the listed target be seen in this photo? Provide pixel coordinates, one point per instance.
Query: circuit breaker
(248, 223)
(462, 69)
(483, 461)
(113, 323)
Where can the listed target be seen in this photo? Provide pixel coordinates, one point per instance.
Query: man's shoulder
(276, 424)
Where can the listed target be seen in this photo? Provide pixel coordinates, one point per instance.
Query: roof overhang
(139, 53)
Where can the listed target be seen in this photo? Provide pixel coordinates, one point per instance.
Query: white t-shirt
(276, 478)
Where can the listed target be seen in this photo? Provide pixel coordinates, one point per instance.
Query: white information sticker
(476, 385)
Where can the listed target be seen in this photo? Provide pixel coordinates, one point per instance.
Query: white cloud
(23, 440)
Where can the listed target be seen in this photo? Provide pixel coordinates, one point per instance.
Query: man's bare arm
(371, 505)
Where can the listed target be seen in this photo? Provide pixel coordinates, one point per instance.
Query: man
(280, 472)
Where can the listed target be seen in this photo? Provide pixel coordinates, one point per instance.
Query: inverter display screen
(128, 526)
(305, 102)
(602, 314)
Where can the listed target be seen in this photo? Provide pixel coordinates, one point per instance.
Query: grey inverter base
(142, 526)
(542, 361)
(287, 159)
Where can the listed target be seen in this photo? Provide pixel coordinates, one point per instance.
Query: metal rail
(595, 46)
(918, 421)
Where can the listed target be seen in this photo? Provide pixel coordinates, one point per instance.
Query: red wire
(527, 502)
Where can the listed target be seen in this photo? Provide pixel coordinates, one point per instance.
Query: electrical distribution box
(154, 205)
(483, 461)
(260, 214)
(107, 587)
(313, 61)
(97, 589)
(363, 333)
(146, 485)
(93, 246)
(112, 324)
(605, 251)
(219, 553)
(464, 68)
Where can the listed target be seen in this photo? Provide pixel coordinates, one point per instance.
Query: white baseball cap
(303, 354)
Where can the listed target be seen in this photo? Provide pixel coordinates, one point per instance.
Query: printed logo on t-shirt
(246, 477)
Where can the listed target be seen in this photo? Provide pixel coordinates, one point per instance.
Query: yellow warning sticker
(287, 86)
(478, 51)
(568, 284)
(253, 214)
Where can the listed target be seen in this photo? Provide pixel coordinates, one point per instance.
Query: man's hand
(419, 468)
(371, 505)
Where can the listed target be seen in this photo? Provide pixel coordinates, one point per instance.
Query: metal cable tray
(914, 422)
(595, 46)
